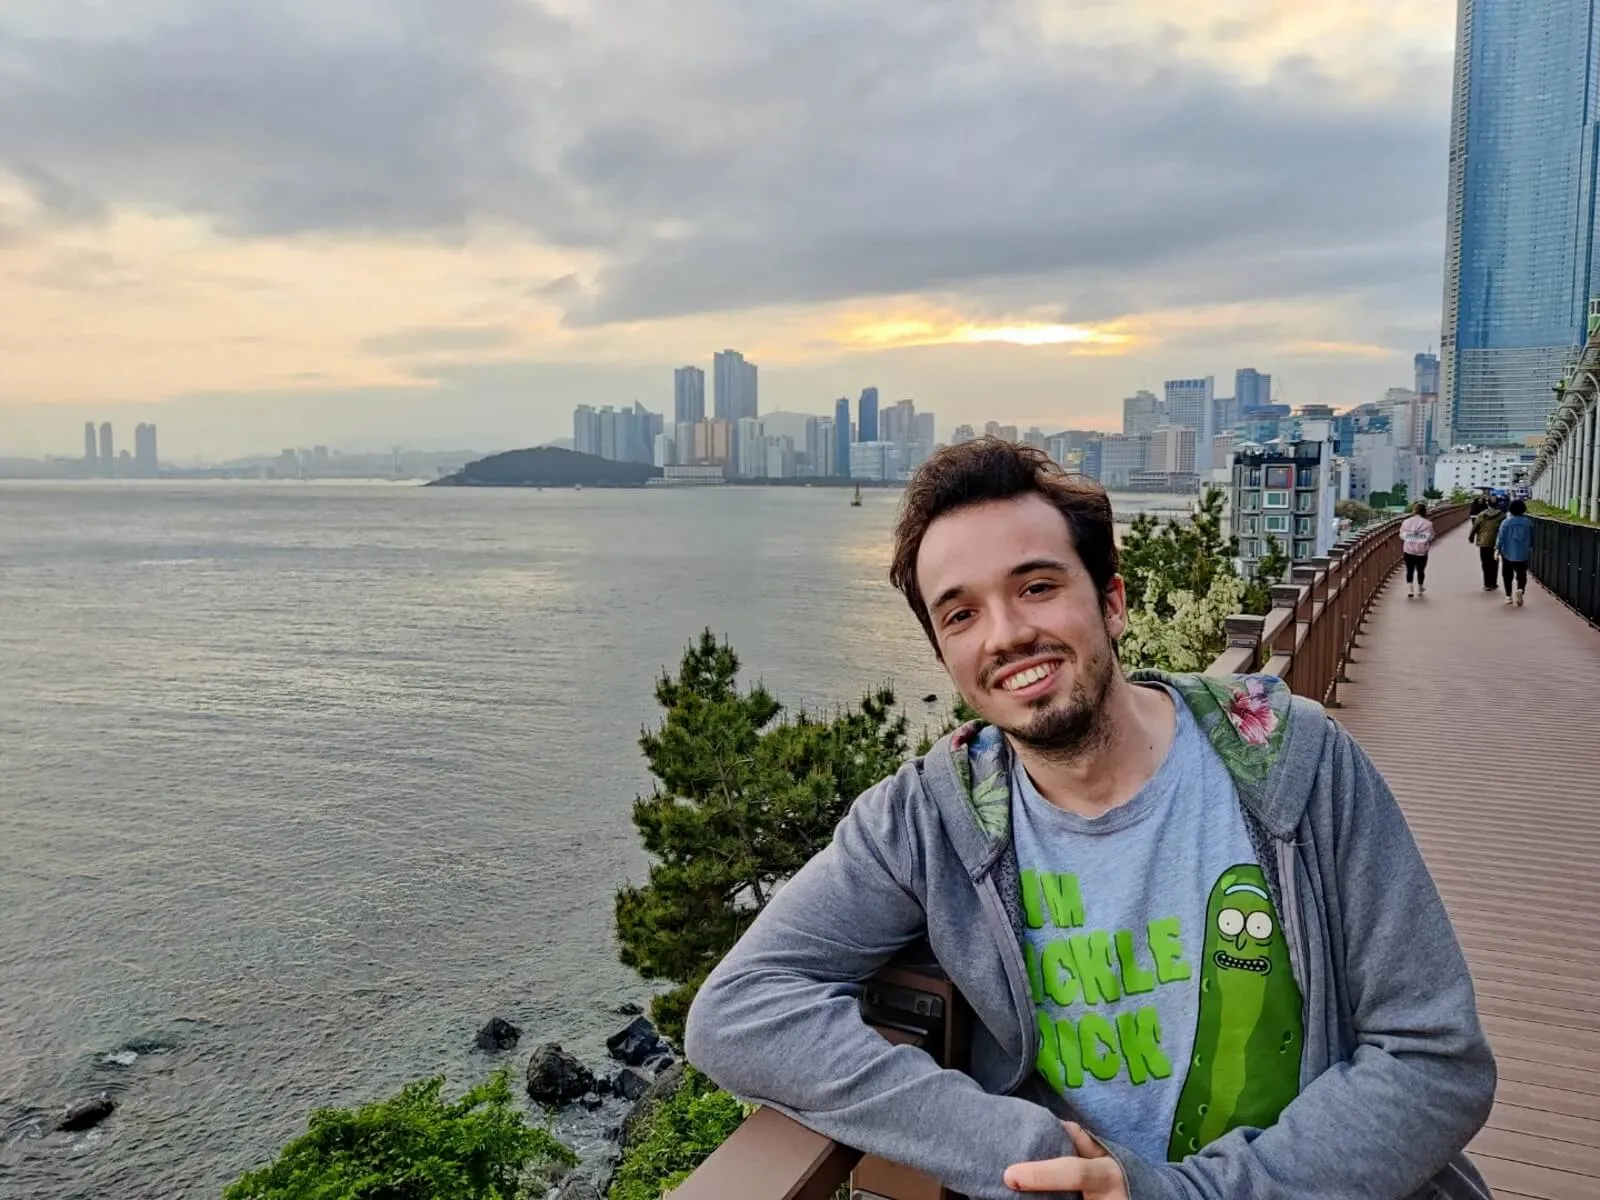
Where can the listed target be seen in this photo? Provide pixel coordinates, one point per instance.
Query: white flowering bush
(1178, 630)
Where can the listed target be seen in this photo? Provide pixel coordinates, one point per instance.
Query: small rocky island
(547, 466)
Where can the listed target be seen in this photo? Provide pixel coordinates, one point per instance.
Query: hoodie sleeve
(1421, 1080)
(777, 1022)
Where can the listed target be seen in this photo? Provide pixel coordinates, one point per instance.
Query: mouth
(1259, 965)
(1030, 680)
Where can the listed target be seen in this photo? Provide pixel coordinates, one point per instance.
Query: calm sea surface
(300, 783)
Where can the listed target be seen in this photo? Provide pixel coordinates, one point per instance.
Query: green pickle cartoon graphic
(1247, 1042)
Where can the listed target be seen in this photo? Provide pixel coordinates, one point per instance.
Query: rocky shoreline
(646, 1073)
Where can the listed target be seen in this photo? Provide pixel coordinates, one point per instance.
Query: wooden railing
(1308, 637)
(1306, 640)
(773, 1157)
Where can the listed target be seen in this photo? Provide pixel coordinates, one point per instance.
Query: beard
(1064, 728)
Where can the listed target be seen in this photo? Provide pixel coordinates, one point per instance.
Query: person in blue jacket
(1513, 544)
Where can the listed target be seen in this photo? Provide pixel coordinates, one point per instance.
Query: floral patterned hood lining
(1244, 716)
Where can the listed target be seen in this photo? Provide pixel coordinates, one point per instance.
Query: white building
(779, 458)
(871, 460)
(1171, 450)
(665, 453)
(1471, 468)
(1283, 492)
(750, 450)
(1189, 402)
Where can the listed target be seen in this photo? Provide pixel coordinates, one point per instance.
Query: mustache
(1037, 650)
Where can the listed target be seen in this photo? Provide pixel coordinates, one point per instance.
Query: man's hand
(1093, 1172)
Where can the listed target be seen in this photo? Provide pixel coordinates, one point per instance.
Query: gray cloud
(722, 155)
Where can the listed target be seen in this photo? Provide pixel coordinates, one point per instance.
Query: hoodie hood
(1259, 729)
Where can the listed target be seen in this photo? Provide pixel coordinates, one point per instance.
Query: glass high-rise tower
(1520, 249)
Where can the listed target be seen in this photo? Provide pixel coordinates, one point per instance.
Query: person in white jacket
(1416, 536)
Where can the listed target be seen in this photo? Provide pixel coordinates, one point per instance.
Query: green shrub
(678, 1135)
(414, 1146)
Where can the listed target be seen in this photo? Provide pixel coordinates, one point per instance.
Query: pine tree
(744, 797)
(1271, 567)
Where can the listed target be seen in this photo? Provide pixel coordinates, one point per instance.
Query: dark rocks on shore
(631, 1083)
(931, 698)
(637, 1043)
(627, 1009)
(662, 1088)
(498, 1034)
(555, 1077)
(591, 1102)
(86, 1114)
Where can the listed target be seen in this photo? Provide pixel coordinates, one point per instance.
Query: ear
(1114, 606)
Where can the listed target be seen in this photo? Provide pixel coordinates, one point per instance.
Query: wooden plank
(1516, 1146)
(1545, 1183)
(1553, 1127)
(1450, 689)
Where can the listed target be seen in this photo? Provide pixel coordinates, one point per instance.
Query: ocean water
(300, 783)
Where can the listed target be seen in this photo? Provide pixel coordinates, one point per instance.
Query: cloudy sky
(445, 222)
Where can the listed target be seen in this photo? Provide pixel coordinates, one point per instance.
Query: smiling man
(1203, 954)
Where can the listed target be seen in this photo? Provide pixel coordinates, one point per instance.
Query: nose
(1238, 942)
(1011, 630)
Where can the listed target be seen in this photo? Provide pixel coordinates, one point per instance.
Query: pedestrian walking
(1485, 527)
(1416, 539)
(1514, 544)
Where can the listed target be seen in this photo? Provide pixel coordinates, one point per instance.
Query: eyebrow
(1022, 568)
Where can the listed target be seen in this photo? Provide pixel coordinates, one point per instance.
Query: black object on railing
(1566, 560)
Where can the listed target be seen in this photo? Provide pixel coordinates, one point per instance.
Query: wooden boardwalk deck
(1484, 719)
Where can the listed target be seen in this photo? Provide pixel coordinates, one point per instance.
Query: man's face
(1020, 626)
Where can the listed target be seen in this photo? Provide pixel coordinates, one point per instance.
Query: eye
(1230, 921)
(1259, 926)
(956, 616)
(1039, 588)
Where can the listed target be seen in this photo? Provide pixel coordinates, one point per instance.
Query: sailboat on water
(855, 501)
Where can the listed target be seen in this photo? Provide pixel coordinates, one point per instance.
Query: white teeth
(1023, 678)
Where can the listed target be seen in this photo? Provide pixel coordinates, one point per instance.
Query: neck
(1137, 728)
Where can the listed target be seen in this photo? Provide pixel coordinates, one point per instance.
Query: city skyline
(334, 254)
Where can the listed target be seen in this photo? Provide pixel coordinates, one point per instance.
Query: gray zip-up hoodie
(1396, 1075)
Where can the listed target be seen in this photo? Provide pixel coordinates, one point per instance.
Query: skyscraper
(1426, 367)
(1141, 413)
(1520, 249)
(688, 395)
(108, 454)
(1188, 403)
(897, 423)
(89, 454)
(1251, 389)
(734, 386)
(144, 451)
(867, 422)
(841, 437)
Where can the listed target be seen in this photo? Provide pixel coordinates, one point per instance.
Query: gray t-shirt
(1162, 988)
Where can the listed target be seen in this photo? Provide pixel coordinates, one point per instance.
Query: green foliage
(1460, 495)
(1394, 498)
(679, 1134)
(414, 1146)
(1160, 559)
(1433, 493)
(744, 797)
(1181, 586)
(1271, 568)
(1357, 513)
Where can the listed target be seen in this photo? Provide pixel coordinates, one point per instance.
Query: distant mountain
(547, 466)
